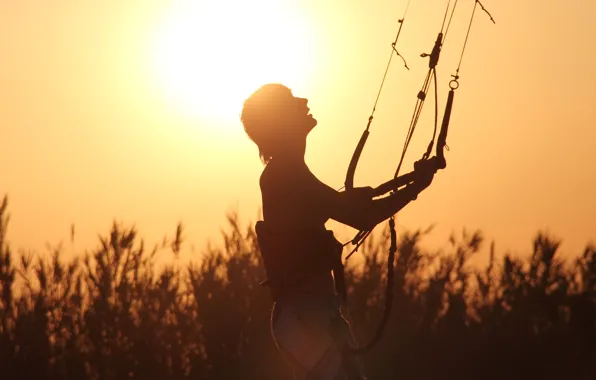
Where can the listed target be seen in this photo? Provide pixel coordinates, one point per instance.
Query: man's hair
(261, 115)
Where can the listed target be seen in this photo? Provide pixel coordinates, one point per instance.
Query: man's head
(276, 120)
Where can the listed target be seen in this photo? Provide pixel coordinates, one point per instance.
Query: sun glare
(211, 54)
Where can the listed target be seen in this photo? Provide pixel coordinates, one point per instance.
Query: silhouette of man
(298, 253)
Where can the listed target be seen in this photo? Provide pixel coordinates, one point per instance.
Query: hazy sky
(128, 110)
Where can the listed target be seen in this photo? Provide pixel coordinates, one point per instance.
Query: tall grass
(115, 314)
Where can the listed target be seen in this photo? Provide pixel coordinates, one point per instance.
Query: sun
(210, 55)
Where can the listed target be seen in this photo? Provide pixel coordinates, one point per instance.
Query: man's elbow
(362, 222)
(360, 218)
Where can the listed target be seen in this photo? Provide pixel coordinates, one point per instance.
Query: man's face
(299, 114)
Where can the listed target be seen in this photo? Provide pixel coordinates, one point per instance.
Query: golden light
(211, 54)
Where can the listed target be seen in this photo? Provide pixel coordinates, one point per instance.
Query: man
(299, 254)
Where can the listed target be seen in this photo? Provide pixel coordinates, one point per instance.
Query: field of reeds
(114, 314)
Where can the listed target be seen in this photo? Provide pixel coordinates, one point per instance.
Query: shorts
(311, 333)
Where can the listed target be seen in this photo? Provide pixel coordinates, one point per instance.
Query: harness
(291, 258)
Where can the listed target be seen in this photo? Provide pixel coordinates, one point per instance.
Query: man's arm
(358, 210)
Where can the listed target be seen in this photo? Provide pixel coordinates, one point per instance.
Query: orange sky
(128, 111)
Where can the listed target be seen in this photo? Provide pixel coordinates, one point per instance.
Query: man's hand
(424, 171)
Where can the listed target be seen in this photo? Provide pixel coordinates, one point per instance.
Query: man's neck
(290, 159)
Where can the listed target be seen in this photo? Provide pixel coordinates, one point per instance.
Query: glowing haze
(208, 59)
(129, 111)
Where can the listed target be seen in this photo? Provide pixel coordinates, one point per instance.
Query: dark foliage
(115, 314)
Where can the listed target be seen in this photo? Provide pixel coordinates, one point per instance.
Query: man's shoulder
(284, 173)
